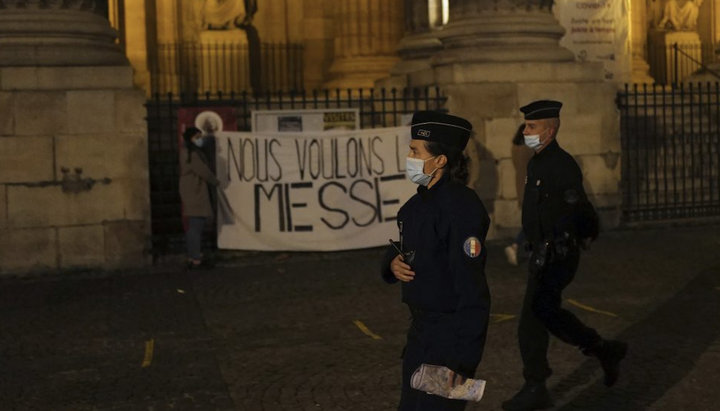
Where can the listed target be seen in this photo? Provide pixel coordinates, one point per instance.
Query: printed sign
(312, 191)
(598, 30)
(299, 121)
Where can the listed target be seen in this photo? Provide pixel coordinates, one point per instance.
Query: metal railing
(672, 63)
(377, 108)
(680, 55)
(670, 151)
(212, 68)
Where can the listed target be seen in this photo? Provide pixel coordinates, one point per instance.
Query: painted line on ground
(149, 348)
(498, 318)
(588, 308)
(366, 330)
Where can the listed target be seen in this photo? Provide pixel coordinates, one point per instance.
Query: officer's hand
(400, 270)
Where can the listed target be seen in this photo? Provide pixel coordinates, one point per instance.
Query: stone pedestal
(662, 55)
(367, 33)
(74, 185)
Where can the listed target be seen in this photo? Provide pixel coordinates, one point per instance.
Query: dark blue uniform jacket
(446, 227)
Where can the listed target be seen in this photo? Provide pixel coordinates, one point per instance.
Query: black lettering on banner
(374, 140)
(398, 158)
(394, 177)
(277, 163)
(363, 201)
(291, 205)
(364, 159)
(315, 143)
(246, 141)
(336, 159)
(321, 200)
(351, 156)
(302, 162)
(231, 154)
(330, 164)
(269, 195)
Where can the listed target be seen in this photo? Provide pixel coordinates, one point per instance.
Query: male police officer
(558, 220)
(441, 259)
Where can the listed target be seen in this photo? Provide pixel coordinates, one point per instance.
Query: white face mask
(533, 141)
(199, 142)
(415, 170)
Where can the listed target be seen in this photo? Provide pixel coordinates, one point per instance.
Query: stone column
(419, 43)
(366, 36)
(74, 189)
(501, 31)
(638, 33)
(499, 55)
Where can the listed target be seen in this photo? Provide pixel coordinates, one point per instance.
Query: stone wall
(56, 121)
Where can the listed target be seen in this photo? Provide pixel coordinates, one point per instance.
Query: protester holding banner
(440, 259)
(196, 180)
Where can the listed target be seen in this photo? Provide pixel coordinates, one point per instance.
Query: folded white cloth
(437, 380)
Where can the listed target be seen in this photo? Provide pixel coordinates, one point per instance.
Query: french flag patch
(472, 247)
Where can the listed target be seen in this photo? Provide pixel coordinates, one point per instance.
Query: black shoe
(610, 355)
(532, 396)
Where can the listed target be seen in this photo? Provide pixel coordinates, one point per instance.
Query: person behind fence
(196, 181)
(558, 220)
(440, 259)
(520, 156)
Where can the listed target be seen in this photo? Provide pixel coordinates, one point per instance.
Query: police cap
(541, 109)
(440, 128)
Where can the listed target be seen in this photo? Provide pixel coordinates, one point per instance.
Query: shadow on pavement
(664, 348)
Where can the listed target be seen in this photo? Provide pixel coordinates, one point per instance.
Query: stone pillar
(136, 42)
(501, 31)
(366, 36)
(638, 34)
(74, 190)
(499, 55)
(420, 41)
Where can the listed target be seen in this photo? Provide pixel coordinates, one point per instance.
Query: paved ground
(271, 331)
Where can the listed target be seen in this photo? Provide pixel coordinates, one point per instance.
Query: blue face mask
(415, 170)
(199, 142)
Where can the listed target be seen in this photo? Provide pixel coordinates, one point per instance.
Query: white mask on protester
(415, 170)
(199, 142)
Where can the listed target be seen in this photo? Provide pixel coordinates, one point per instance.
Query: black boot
(532, 396)
(610, 353)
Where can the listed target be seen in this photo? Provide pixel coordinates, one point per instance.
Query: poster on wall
(322, 191)
(598, 30)
(300, 121)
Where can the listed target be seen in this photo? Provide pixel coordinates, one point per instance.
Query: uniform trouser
(542, 313)
(193, 237)
(433, 339)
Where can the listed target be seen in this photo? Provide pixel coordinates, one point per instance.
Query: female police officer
(442, 236)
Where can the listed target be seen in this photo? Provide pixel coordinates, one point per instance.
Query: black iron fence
(213, 68)
(670, 151)
(377, 108)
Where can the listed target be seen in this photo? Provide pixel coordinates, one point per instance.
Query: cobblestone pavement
(284, 331)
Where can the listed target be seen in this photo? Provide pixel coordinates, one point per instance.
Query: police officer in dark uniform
(440, 259)
(558, 220)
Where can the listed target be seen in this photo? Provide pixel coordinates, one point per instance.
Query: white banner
(324, 191)
(598, 30)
